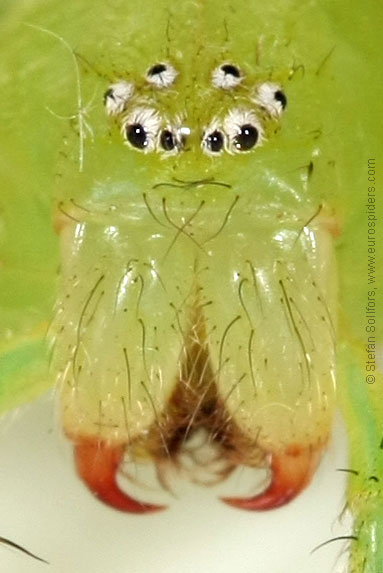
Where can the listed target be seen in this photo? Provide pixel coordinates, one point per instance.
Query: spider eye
(136, 135)
(108, 94)
(226, 76)
(161, 75)
(214, 141)
(271, 98)
(281, 98)
(141, 128)
(117, 97)
(156, 70)
(246, 138)
(167, 140)
(231, 70)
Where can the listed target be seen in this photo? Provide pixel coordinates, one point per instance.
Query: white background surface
(44, 507)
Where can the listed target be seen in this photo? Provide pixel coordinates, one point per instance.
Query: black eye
(157, 69)
(280, 96)
(246, 138)
(231, 70)
(167, 140)
(215, 141)
(136, 135)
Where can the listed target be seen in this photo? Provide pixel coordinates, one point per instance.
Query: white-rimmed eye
(161, 75)
(117, 96)
(226, 76)
(272, 98)
(243, 130)
(141, 127)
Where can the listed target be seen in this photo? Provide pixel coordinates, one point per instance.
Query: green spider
(208, 168)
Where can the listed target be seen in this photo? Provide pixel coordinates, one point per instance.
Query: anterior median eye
(214, 141)
(167, 140)
(136, 135)
(246, 138)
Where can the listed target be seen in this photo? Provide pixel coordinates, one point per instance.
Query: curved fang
(97, 464)
(291, 472)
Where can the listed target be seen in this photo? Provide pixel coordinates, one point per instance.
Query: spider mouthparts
(97, 464)
(291, 472)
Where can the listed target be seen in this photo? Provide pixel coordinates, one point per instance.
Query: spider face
(232, 118)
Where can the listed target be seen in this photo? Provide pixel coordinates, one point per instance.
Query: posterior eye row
(239, 130)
